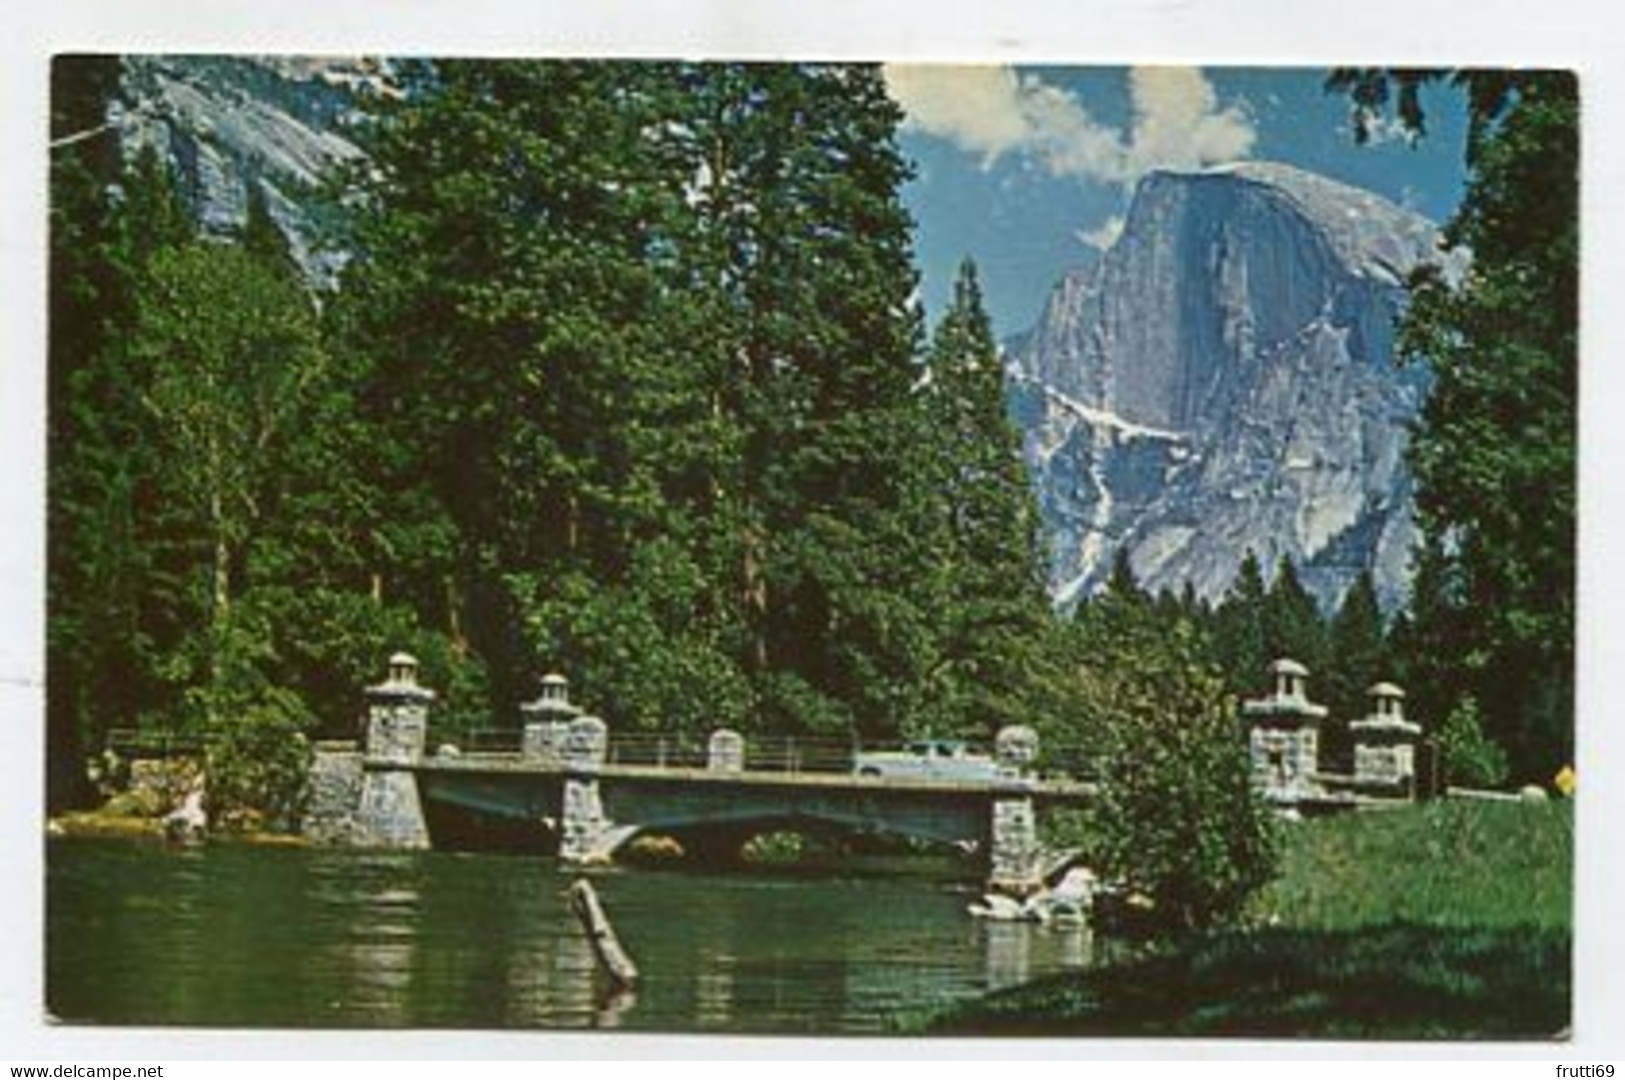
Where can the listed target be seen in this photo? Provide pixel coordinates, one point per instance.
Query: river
(246, 935)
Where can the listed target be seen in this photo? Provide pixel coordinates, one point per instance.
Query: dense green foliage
(96, 434)
(1495, 451)
(208, 521)
(624, 379)
(992, 664)
(1450, 920)
(647, 377)
(1177, 819)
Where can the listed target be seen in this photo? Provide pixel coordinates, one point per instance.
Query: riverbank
(102, 825)
(1443, 921)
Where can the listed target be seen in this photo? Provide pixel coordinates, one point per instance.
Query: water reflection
(713, 994)
(550, 966)
(1017, 952)
(243, 936)
(374, 904)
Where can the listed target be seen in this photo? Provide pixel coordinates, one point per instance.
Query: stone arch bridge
(560, 783)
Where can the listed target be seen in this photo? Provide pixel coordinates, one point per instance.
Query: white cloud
(993, 111)
(979, 108)
(1178, 122)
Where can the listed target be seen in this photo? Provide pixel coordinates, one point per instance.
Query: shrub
(1468, 757)
(1177, 818)
(257, 765)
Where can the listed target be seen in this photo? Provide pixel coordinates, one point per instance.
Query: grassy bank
(1450, 920)
(1446, 864)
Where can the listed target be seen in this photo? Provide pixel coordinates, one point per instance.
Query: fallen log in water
(623, 973)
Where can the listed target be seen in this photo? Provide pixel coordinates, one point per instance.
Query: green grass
(1450, 863)
(1450, 920)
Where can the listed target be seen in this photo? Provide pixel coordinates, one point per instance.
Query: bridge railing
(793, 754)
(656, 750)
(152, 742)
(492, 741)
(764, 753)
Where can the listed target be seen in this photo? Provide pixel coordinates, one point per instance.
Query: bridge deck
(1049, 790)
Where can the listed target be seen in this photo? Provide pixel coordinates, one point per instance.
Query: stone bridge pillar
(1015, 857)
(547, 722)
(586, 835)
(1385, 745)
(390, 813)
(725, 752)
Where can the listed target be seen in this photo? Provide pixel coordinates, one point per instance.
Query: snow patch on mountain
(1224, 379)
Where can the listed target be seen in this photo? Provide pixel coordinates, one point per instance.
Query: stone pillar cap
(402, 680)
(1386, 689)
(1288, 666)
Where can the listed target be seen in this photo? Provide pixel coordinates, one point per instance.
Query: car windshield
(936, 748)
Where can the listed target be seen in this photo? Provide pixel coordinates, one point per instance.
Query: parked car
(928, 759)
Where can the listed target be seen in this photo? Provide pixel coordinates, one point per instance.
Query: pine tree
(1358, 651)
(1494, 454)
(799, 250)
(1292, 623)
(1241, 629)
(107, 221)
(262, 237)
(994, 613)
(480, 302)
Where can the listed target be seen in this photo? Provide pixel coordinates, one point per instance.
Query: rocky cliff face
(228, 124)
(1224, 379)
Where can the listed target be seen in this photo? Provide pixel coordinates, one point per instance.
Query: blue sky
(1024, 169)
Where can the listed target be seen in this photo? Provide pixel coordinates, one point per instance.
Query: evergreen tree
(262, 237)
(529, 384)
(797, 251)
(994, 613)
(1241, 630)
(1292, 623)
(1494, 453)
(107, 220)
(642, 354)
(1122, 585)
(1358, 651)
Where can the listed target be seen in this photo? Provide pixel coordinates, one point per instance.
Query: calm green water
(248, 936)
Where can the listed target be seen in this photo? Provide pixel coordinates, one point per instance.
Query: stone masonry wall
(335, 794)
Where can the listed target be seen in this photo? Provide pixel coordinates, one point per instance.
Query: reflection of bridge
(561, 786)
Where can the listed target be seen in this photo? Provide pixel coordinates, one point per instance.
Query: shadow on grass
(1401, 981)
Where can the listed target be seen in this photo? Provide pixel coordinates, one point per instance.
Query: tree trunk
(454, 616)
(622, 972)
(754, 597)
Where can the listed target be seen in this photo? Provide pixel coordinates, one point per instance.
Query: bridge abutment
(1015, 856)
(586, 834)
(390, 811)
